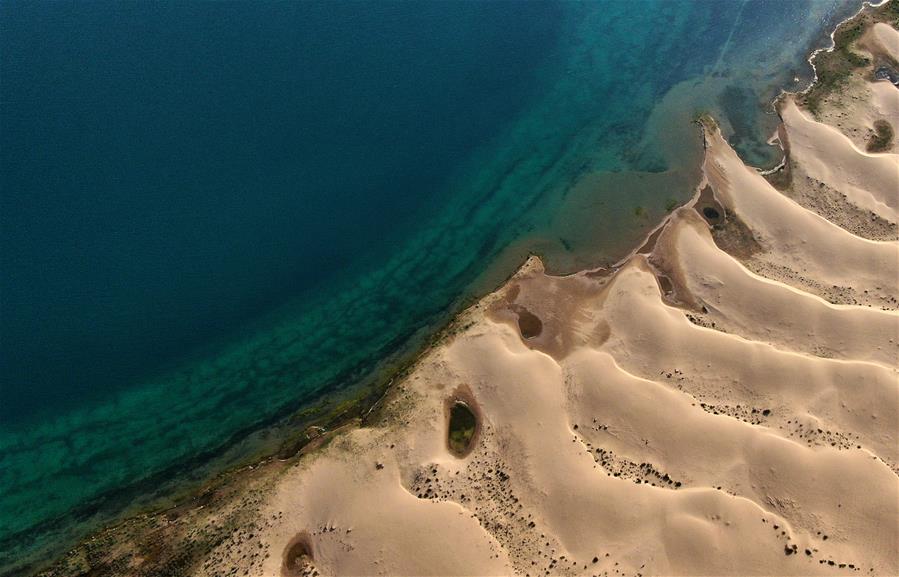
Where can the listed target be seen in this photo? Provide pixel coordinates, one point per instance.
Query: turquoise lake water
(215, 213)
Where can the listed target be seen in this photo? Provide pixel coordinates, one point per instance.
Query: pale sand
(693, 413)
(884, 103)
(854, 111)
(887, 39)
(870, 181)
(737, 299)
(856, 107)
(801, 246)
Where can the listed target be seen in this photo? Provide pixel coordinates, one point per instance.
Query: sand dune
(371, 523)
(749, 461)
(869, 180)
(582, 459)
(734, 375)
(741, 302)
(801, 245)
(725, 403)
(884, 103)
(856, 112)
(887, 39)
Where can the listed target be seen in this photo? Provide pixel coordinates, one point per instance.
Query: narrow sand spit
(724, 402)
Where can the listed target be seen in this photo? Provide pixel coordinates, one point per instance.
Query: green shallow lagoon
(574, 122)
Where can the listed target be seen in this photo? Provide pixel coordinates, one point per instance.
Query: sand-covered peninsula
(723, 402)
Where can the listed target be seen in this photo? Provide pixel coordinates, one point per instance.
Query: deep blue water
(213, 213)
(169, 172)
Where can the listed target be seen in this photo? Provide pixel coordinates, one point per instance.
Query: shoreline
(359, 412)
(775, 102)
(340, 410)
(833, 43)
(496, 355)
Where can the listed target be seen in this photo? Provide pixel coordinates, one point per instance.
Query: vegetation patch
(735, 238)
(834, 67)
(711, 213)
(780, 178)
(463, 422)
(709, 207)
(707, 122)
(462, 427)
(297, 557)
(529, 324)
(882, 139)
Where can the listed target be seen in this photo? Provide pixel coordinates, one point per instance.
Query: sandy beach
(725, 401)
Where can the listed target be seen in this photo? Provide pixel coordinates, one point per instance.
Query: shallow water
(213, 214)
